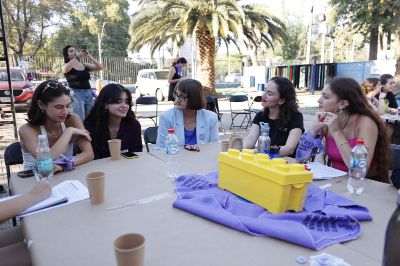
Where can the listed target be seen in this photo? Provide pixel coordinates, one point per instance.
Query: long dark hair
(290, 106)
(348, 89)
(46, 92)
(97, 119)
(384, 78)
(65, 53)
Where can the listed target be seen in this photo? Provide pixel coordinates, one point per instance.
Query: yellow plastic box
(272, 184)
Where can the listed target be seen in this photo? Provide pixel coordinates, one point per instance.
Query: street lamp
(99, 38)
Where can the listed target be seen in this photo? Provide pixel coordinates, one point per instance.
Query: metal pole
(8, 71)
(309, 36)
(99, 38)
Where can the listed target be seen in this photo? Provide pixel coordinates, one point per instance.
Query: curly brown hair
(369, 85)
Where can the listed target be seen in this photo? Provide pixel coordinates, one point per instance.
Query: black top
(392, 103)
(176, 76)
(277, 135)
(78, 79)
(129, 133)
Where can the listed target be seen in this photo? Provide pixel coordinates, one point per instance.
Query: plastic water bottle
(44, 161)
(391, 254)
(172, 152)
(264, 141)
(357, 168)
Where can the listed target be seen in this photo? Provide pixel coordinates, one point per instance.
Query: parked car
(233, 78)
(22, 87)
(153, 82)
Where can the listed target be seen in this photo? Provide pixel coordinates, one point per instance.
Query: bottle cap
(171, 131)
(41, 137)
(264, 126)
(360, 141)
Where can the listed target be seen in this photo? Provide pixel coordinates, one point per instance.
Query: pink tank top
(334, 154)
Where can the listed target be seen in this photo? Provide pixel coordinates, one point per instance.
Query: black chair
(150, 136)
(244, 101)
(395, 176)
(212, 105)
(12, 156)
(147, 100)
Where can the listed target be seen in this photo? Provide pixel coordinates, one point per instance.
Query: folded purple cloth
(68, 162)
(327, 218)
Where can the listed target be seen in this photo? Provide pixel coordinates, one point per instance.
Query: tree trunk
(373, 43)
(206, 55)
(253, 55)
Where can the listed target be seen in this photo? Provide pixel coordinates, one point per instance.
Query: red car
(22, 88)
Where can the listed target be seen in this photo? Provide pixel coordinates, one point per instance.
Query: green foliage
(294, 47)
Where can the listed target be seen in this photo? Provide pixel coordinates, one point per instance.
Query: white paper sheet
(321, 171)
(67, 192)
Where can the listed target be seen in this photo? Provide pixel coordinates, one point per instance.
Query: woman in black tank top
(175, 75)
(78, 76)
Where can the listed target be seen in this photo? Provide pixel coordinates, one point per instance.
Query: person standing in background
(175, 75)
(388, 86)
(78, 76)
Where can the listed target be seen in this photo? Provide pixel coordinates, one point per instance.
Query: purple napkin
(327, 218)
(68, 162)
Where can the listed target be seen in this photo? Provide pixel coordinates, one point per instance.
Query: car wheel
(159, 95)
(137, 93)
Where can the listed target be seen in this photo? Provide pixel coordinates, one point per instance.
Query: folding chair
(147, 100)
(234, 114)
(212, 105)
(12, 156)
(150, 136)
(256, 99)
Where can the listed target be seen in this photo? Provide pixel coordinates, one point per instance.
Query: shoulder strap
(63, 126)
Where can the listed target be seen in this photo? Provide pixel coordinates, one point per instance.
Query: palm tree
(206, 20)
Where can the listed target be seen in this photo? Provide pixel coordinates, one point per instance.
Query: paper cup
(95, 182)
(225, 145)
(129, 250)
(115, 148)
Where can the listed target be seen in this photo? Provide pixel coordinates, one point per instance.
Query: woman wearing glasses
(192, 123)
(78, 76)
(49, 115)
(112, 118)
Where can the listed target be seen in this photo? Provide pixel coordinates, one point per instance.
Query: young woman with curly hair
(282, 115)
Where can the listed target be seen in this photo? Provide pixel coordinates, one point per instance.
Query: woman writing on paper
(281, 113)
(49, 115)
(13, 248)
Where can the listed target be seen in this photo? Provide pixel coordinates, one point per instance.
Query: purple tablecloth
(327, 218)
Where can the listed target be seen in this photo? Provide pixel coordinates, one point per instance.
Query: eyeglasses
(179, 97)
(51, 85)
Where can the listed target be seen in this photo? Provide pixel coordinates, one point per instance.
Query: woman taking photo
(112, 118)
(344, 117)
(49, 115)
(192, 123)
(78, 76)
(175, 75)
(281, 113)
(372, 87)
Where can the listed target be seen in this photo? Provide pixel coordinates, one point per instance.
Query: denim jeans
(82, 102)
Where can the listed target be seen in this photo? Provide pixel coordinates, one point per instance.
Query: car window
(152, 76)
(162, 74)
(143, 75)
(15, 76)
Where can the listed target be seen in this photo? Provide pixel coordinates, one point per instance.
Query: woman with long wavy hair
(344, 116)
(281, 113)
(112, 118)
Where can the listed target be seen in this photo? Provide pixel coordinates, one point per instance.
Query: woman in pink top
(344, 116)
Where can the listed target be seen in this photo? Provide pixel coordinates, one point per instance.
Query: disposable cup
(95, 182)
(115, 148)
(129, 250)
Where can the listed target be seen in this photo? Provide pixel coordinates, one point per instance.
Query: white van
(153, 82)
